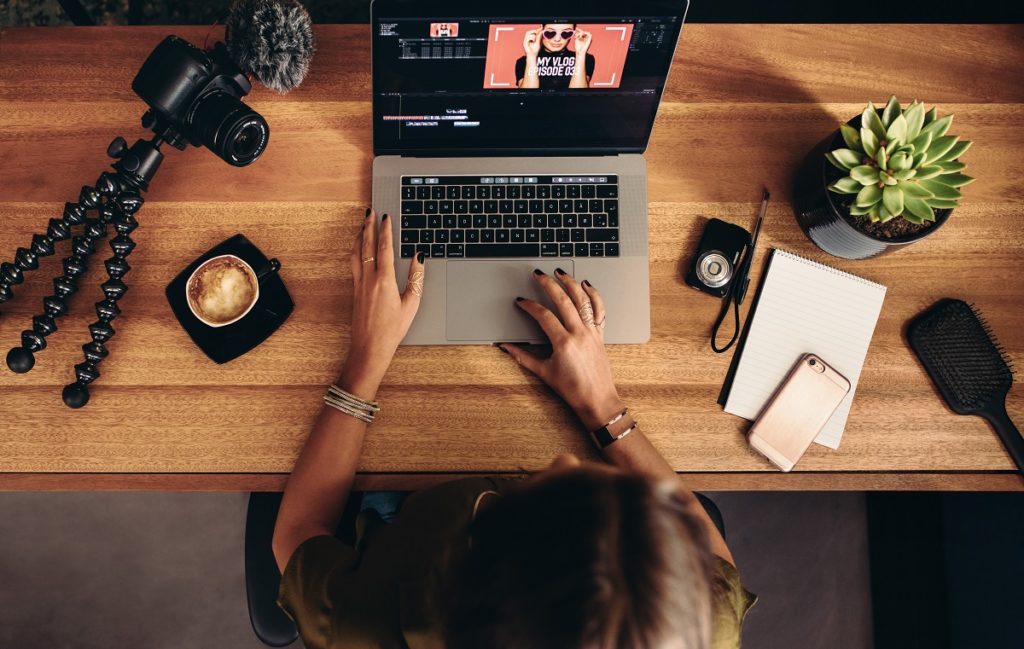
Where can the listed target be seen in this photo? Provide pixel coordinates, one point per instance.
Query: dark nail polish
(520, 299)
(499, 346)
(538, 271)
(420, 256)
(368, 210)
(588, 284)
(385, 218)
(560, 271)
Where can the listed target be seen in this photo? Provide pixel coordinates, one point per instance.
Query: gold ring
(600, 325)
(587, 313)
(367, 260)
(416, 283)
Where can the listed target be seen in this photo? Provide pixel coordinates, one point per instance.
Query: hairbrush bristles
(992, 337)
(981, 318)
(956, 346)
(970, 369)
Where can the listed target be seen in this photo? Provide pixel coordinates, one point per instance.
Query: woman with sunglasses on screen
(582, 555)
(548, 62)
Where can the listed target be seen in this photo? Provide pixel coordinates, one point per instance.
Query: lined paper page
(805, 307)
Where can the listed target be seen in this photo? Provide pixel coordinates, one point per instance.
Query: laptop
(509, 136)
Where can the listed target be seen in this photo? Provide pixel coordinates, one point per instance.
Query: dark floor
(161, 570)
(113, 570)
(805, 555)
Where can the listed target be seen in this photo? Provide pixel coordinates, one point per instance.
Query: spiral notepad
(805, 307)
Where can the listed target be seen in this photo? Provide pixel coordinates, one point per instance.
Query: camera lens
(229, 128)
(714, 269)
(248, 140)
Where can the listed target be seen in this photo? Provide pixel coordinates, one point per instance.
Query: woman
(548, 63)
(581, 555)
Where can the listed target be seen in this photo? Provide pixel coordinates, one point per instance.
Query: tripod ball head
(137, 165)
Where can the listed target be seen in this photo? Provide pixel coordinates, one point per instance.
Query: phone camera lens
(813, 362)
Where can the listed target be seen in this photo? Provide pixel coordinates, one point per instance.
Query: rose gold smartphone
(799, 410)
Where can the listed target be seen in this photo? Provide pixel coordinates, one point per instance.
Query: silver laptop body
(469, 295)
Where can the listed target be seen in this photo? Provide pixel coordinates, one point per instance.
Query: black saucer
(226, 343)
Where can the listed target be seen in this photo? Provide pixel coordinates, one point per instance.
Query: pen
(745, 269)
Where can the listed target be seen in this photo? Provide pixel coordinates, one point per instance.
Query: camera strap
(740, 284)
(737, 291)
(731, 299)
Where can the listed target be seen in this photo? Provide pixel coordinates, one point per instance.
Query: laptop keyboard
(510, 216)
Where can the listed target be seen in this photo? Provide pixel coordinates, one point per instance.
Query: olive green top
(382, 593)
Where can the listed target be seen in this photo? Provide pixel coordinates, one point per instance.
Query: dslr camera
(195, 98)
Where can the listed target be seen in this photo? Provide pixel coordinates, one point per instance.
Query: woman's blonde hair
(584, 560)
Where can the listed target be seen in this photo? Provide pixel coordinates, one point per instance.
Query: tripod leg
(27, 259)
(125, 205)
(22, 359)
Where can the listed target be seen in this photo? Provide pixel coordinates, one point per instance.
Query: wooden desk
(744, 105)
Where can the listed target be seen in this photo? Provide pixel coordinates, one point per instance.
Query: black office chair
(713, 511)
(262, 579)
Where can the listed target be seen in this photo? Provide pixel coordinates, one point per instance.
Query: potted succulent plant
(883, 181)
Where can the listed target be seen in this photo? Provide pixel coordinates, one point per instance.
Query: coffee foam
(221, 290)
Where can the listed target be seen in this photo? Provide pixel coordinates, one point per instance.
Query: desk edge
(741, 481)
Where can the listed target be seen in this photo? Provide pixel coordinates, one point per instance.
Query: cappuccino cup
(223, 289)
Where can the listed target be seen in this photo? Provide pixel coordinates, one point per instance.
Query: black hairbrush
(969, 368)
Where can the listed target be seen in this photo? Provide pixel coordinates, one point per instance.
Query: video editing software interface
(541, 83)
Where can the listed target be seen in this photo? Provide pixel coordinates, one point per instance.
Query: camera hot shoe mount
(116, 198)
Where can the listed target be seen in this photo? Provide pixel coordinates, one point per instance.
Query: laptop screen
(518, 81)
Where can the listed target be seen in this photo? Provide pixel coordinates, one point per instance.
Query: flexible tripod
(116, 198)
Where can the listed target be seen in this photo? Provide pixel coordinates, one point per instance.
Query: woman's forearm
(320, 484)
(579, 75)
(530, 78)
(635, 453)
(321, 481)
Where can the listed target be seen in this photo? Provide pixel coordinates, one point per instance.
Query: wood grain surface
(744, 105)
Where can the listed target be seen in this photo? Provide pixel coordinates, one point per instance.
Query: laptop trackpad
(480, 299)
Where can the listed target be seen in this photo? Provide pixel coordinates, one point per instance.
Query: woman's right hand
(531, 42)
(578, 368)
(583, 42)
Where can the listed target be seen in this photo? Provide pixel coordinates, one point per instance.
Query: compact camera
(196, 97)
(718, 257)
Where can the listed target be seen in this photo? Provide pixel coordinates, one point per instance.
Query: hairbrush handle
(1007, 432)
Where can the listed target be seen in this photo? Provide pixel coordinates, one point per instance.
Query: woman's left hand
(578, 368)
(583, 41)
(381, 316)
